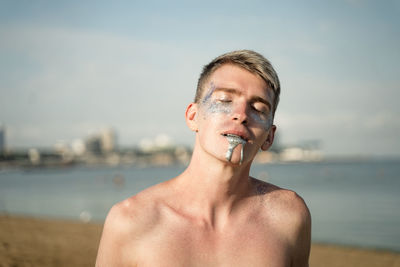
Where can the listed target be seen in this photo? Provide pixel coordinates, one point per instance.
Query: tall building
(102, 142)
(107, 137)
(93, 145)
(2, 139)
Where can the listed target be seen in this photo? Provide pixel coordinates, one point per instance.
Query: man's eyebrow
(237, 92)
(228, 90)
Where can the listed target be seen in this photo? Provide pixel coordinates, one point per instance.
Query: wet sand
(49, 242)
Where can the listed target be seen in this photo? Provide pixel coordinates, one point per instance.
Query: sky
(69, 69)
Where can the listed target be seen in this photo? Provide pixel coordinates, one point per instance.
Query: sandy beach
(50, 242)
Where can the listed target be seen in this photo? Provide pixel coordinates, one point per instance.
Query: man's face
(235, 102)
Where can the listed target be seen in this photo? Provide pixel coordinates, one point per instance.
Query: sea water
(351, 203)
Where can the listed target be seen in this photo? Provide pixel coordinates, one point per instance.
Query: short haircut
(248, 60)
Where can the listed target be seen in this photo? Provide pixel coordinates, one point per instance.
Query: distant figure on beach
(214, 213)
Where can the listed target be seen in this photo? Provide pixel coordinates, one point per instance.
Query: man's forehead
(217, 71)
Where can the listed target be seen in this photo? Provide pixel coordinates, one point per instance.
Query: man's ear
(270, 138)
(190, 116)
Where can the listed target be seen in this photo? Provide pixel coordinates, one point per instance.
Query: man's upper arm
(303, 240)
(113, 238)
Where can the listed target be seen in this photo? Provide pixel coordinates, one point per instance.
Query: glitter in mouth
(234, 141)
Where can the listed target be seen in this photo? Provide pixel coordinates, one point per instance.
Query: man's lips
(236, 134)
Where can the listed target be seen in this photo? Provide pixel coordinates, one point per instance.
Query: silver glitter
(265, 123)
(213, 106)
(234, 141)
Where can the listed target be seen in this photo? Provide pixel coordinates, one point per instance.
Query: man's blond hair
(248, 60)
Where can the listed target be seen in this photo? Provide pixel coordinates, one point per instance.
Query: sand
(49, 242)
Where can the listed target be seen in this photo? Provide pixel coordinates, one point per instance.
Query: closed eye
(262, 109)
(224, 100)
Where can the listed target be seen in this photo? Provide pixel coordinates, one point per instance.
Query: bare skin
(214, 213)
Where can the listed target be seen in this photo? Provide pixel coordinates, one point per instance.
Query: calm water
(350, 203)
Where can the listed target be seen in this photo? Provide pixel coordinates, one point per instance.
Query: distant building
(103, 142)
(34, 156)
(292, 154)
(161, 142)
(296, 153)
(93, 145)
(107, 137)
(2, 139)
(78, 147)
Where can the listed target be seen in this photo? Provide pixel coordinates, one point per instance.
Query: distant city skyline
(69, 69)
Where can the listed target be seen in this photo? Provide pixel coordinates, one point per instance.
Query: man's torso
(253, 236)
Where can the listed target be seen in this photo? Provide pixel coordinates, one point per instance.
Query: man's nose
(240, 112)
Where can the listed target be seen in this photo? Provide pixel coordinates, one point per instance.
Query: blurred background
(72, 68)
(93, 94)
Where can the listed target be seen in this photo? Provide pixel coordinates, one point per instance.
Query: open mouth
(235, 136)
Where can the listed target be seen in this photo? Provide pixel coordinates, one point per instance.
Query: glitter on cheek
(212, 106)
(265, 123)
(216, 107)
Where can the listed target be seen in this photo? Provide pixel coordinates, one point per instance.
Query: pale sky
(71, 68)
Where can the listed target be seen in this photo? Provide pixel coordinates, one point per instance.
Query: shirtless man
(214, 213)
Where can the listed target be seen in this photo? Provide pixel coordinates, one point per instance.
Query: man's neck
(213, 187)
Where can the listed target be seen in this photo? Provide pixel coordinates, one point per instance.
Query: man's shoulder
(283, 203)
(127, 223)
(287, 213)
(137, 213)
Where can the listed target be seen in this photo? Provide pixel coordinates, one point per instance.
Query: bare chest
(191, 246)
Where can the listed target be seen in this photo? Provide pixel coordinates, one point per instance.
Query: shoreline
(32, 241)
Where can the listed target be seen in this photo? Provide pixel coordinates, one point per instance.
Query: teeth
(235, 139)
(233, 135)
